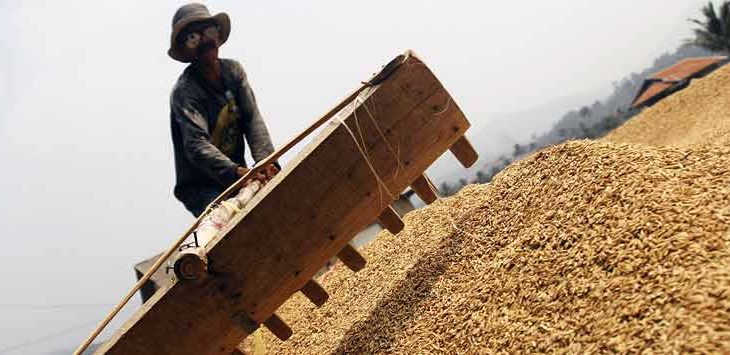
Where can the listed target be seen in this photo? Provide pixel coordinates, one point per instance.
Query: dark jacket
(210, 126)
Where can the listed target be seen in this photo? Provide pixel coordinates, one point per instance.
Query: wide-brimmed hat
(188, 14)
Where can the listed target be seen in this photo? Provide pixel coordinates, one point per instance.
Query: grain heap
(695, 116)
(583, 247)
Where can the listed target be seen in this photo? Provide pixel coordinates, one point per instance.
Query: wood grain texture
(306, 215)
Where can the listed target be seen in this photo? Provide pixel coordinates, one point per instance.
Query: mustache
(205, 46)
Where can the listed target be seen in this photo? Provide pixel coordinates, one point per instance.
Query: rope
(396, 156)
(382, 135)
(380, 181)
(230, 207)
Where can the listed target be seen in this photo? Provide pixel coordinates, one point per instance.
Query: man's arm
(255, 131)
(197, 145)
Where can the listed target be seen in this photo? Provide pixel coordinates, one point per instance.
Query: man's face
(201, 40)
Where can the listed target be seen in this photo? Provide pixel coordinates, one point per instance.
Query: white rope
(365, 157)
(395, 155)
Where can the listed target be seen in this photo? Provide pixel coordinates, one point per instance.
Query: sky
(85, 147)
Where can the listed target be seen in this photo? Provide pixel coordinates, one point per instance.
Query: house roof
(687, 68)
(652, 90)
(674, 77)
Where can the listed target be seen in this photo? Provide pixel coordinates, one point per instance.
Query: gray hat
(188, 14)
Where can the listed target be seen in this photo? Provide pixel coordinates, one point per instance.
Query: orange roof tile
(686, 68)
(675, 75)
(654, 89)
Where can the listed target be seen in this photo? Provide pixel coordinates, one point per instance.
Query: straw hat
(188, 14)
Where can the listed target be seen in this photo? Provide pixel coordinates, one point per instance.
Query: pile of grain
(694, 116)
(583, 247)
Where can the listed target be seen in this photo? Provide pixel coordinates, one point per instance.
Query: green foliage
(713, 29)
(446, 189)
(517, 150)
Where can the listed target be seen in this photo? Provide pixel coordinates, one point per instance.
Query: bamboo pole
(376, 79)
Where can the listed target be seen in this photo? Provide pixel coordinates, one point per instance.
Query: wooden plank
(423, 187)
(315, 293)
(391, 221)
(464, 152)
(303, 217)
(352, 258)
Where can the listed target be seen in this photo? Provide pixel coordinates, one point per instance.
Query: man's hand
(271, 170)
(263, 175)
(241, 171)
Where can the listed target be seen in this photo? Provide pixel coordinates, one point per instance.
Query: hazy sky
(85, 148)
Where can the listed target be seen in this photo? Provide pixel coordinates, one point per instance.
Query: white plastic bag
(217, 219)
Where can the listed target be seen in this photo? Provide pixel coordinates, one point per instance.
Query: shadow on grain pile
(582, 247)
(620, 245)
(401, 303)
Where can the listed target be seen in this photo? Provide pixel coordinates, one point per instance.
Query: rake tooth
(278, 327)
(391, 221)
(464, 152)
(351, 258)
(423, 187)
(315, 293)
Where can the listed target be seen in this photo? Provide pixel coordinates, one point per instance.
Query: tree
(584, 112)
(517, 150)
(713, 32)
(504, 161)
(585, 132)
(446, 189)
(482, 177)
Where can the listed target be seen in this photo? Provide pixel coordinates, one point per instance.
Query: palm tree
(713, 32)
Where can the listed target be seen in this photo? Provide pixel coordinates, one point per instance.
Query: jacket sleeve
(197, 142)
(255, 131)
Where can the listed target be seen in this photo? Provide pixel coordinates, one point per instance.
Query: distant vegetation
(587, 122)
(711, 37)
(713, 29)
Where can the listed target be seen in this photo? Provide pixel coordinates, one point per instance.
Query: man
(212, 109)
